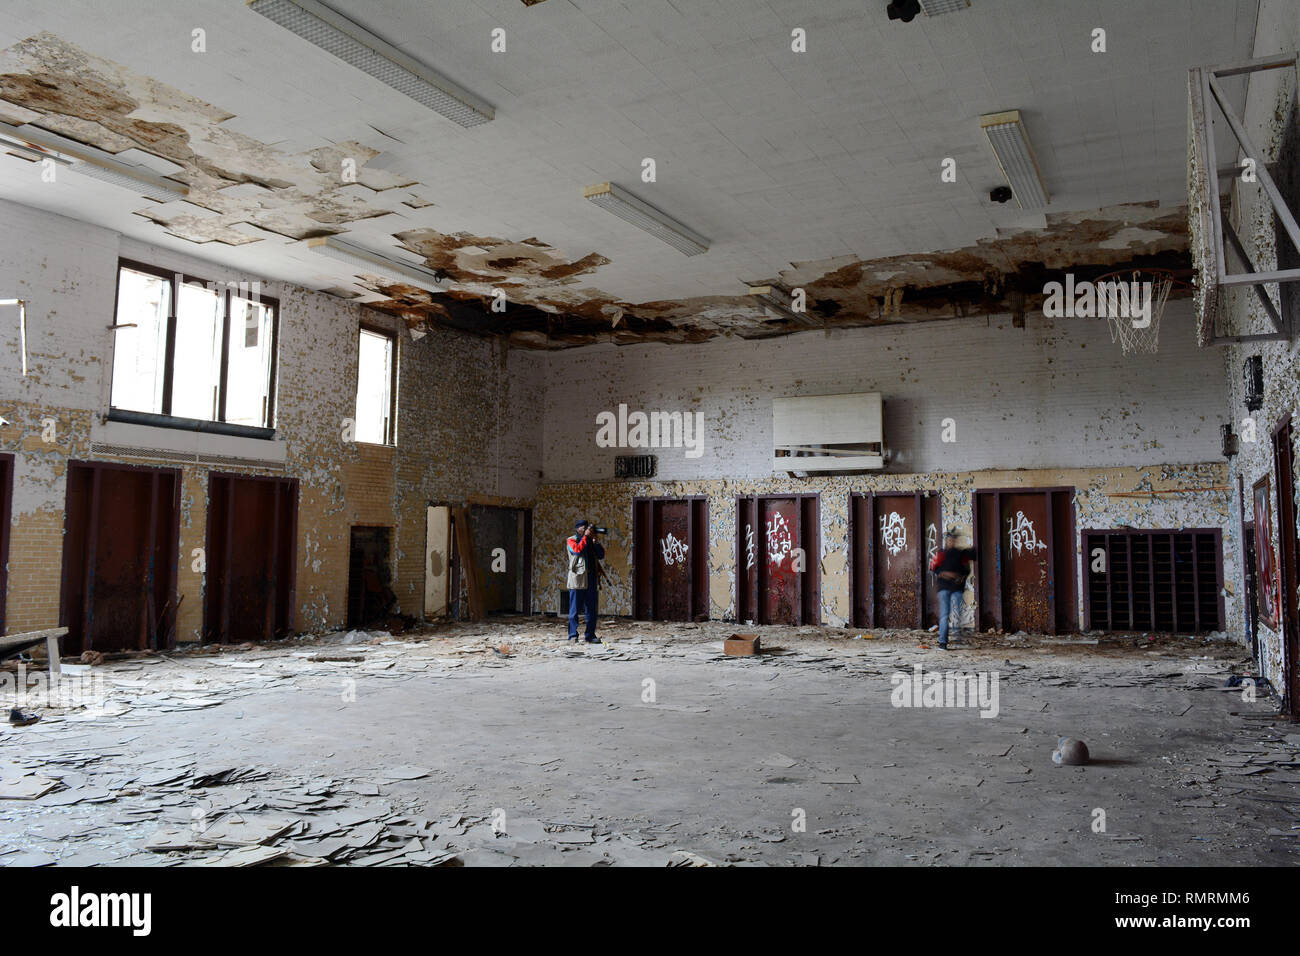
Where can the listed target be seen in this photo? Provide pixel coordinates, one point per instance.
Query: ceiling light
(934, 8)
(90, 161)
(370, 262)
(776, 301)
(647, 218)
(359, 48)
(1010, 142)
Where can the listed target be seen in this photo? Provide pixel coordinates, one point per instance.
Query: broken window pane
(375, 388)
(248, 370)
(197, 354)
(139, 353)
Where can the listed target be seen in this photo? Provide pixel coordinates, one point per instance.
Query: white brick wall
(1054, 394)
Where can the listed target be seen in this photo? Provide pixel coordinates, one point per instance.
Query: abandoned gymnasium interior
(656, 433)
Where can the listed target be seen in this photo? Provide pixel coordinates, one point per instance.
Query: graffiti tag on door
(749, 546)
(931, 543)
(779, 539)
(893, 532)
(674, 551)
(1023, 535)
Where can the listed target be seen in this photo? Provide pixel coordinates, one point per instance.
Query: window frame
(390, 433)
(164, 418)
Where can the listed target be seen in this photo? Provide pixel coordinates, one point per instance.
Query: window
(190, 352)
(376, 387)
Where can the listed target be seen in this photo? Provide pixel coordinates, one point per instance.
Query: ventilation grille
(636, 466)
(182, 457)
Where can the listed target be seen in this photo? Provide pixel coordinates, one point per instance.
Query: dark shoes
(593, 640)
(943, 647)
(19, 719)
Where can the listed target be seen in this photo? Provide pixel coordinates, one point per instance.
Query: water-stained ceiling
(817, 170)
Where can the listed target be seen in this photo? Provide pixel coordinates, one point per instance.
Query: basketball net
(1141, 340)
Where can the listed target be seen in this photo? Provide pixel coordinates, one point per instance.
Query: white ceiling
(775, 156)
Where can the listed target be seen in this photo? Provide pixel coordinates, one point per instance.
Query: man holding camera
(585, 553)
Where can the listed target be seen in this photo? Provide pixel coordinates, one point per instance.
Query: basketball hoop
(1120, 296)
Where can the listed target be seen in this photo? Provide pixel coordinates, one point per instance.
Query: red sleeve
(938, 560)
(579, 547)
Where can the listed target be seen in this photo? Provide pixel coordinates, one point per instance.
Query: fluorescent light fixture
(370, 262)
(89, 161)
(359, 48)
(776, 301)
(647, 218)
(934, 8)
(1010, 141)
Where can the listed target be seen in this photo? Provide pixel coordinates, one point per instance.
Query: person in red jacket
(952, 566)
(584, 553)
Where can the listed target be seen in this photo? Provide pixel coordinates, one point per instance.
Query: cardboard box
(741, 645)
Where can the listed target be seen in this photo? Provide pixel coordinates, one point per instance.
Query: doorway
(1024, 538)
(120, 539)
(437, 562)
(503, 556)
(778, 556)
(370, 576)
(1284, 480)
(670, 579)
(893, 536)
(248, 592)
(6, 509)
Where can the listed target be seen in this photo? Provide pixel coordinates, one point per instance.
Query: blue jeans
(585, 600)
(949, 605)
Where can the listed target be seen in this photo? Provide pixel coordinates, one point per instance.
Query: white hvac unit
(827, 433)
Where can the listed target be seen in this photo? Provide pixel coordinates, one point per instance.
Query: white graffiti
(778, 539)
(931, 542)
(674, 551)
(1023, 535)
(893, 532)
(749, 546)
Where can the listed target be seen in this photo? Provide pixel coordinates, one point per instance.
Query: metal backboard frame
(1207, 223)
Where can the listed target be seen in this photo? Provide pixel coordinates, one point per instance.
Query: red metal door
(1026, 545)
(779, 600)
(895, 543)
(672, 561)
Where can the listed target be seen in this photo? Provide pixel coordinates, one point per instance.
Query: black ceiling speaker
(1000, 194)
(905, 10)
(1253, 372)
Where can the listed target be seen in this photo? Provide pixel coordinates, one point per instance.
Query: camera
(599, 530)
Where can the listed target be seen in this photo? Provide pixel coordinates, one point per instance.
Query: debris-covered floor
(499, 744)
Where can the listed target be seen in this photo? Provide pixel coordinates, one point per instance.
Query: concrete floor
(556, 746)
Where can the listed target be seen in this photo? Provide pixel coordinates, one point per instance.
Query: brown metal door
(1026, 555)
(895, 543)
(779, 599)
(671, 579)
(119, 557)
(251, 558)
(748, 533)
(860, 558)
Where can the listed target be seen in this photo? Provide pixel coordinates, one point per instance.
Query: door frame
(693, 534)
(810, 588)
(172, 535)
(1285, 528)
(8, 463)
(221, 629)
(920, 496)
(999, 607)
